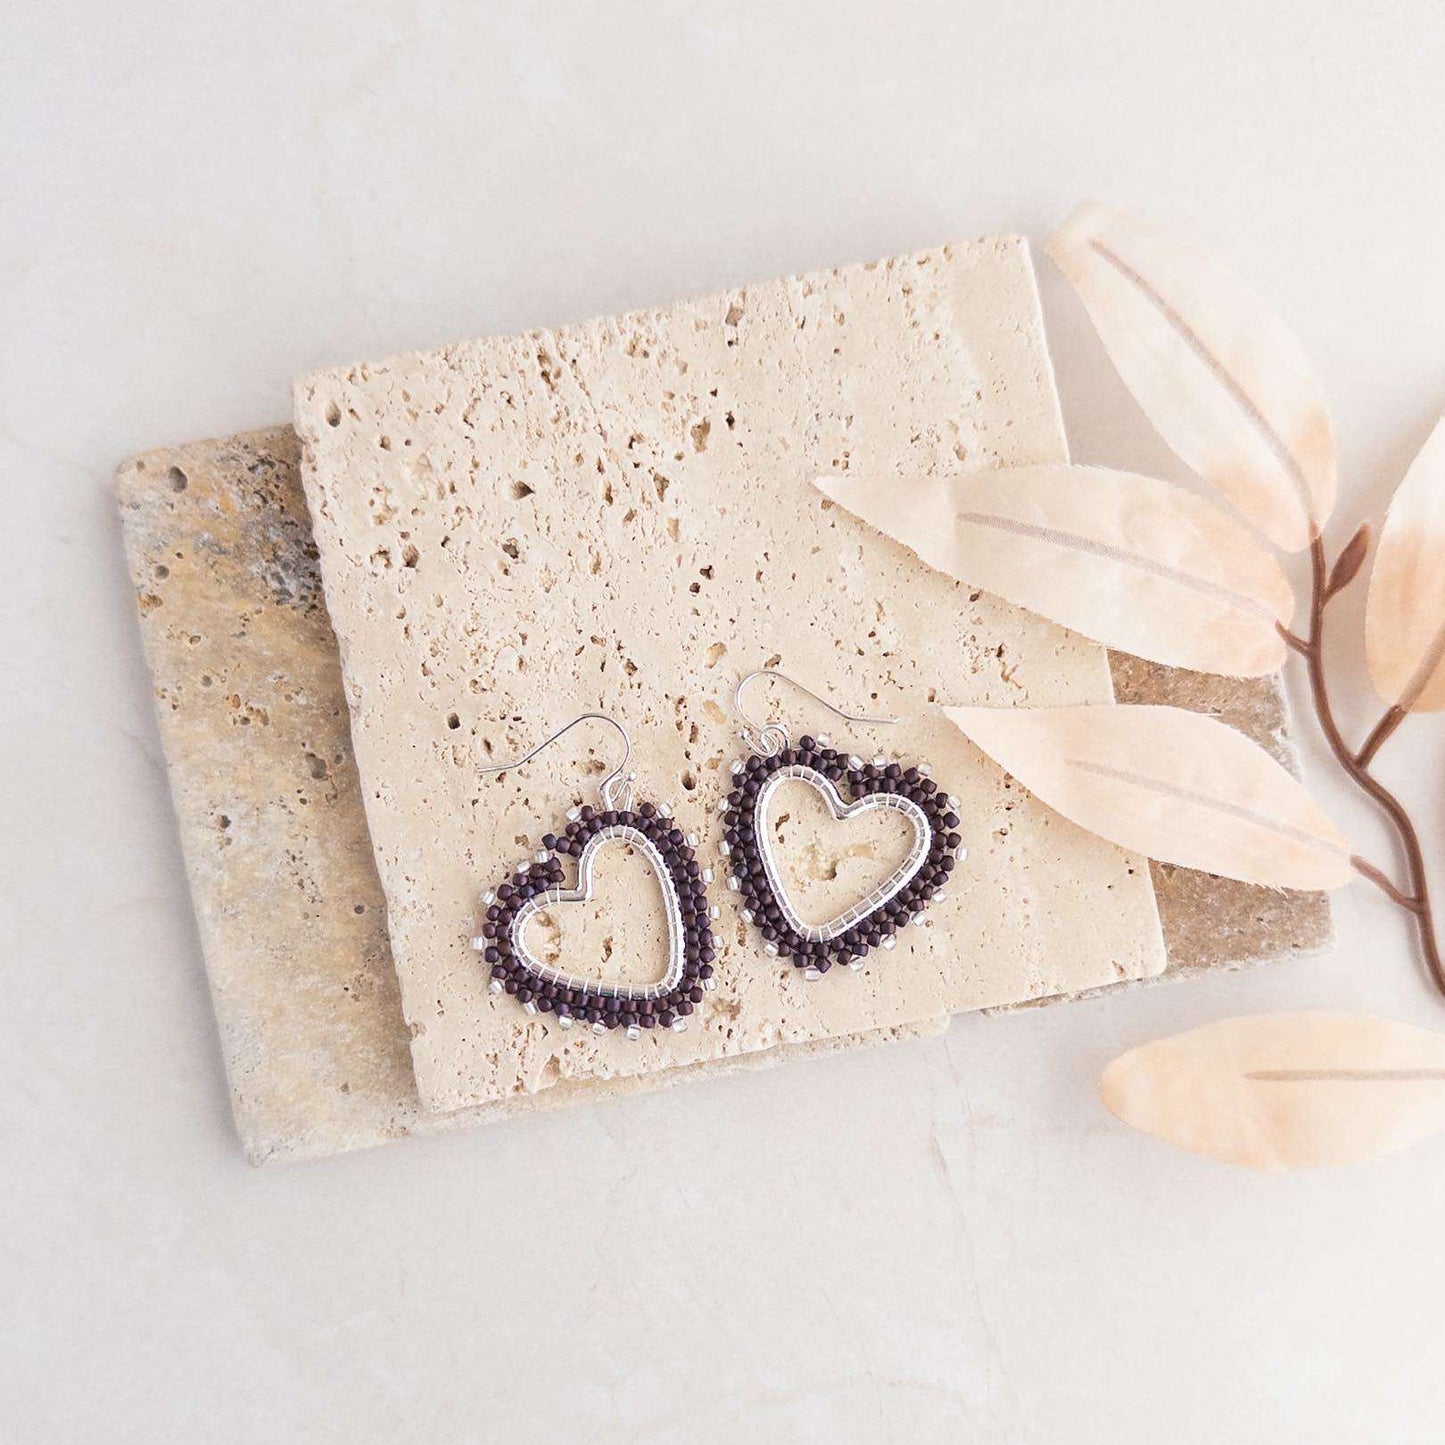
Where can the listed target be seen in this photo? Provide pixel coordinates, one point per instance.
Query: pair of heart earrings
(848, 786)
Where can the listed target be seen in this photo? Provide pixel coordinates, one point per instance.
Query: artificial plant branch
(1415, 897)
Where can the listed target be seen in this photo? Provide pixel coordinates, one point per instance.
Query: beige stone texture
(253, 721)
(619, 516)
(290, 911)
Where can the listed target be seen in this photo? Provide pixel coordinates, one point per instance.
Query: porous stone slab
(619, 517)
(253, 721)
(290, 911)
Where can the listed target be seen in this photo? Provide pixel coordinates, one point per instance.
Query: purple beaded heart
(849, 786)
(542, 988)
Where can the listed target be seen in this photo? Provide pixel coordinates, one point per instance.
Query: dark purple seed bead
(823, 964)
(648, 810)
(705, 971)
(491, 955)
(946, 863)
(494, 913)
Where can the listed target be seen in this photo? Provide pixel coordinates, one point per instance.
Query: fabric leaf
(1223, 381)
(1405, 617)
(1171, 784)
(1285, 1091)
(1129, 561)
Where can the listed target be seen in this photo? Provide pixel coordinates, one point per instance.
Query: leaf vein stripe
(1346, 1076)
(1222, 374)
(1188, 580)
(1188, 795)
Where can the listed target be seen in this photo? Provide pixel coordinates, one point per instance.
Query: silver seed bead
(771, 949)
(664, 810)
(488, 899)
(713, 911)
(925, 769)
(734, 882)
(692, 840)
(823, 740)
(738, 766)
(747, 915)
(480, 943)
(854, 761)
(706, 875)
(856, 964)
(599, 1027)
(496, 986)
(880, 761)
(710, 984)
(529, 1007)
(540, 856)
(890, 942)
(633, 1032)
(725, 849)
(679, 1026)
(811, 973)
(574, 813)
(564, 1021)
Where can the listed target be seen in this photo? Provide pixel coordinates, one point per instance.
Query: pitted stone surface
(253, 719)
(619, 517)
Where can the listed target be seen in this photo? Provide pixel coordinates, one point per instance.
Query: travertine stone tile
(618, 516)
(253, 719)
(305, 996)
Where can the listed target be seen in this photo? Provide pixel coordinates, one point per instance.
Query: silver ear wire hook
(771, 738)
(614, 788)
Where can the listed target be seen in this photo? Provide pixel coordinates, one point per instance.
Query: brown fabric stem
(1356, 764)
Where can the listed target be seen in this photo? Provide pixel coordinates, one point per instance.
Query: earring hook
(613, 786)
(771, 738)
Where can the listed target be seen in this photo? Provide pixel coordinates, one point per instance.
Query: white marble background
(948, 1240)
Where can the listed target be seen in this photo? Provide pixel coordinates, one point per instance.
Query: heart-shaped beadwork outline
(890, 888)
(541, 987)
(583, 893)
(875, 919)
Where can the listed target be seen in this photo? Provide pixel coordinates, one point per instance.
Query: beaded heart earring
(848, 787)
(538, 883)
